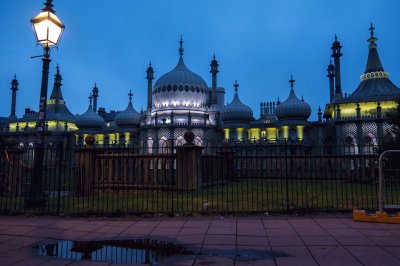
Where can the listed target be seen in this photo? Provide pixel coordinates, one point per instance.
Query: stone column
(188, 164)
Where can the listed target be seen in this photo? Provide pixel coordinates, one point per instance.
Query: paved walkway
(280, 240)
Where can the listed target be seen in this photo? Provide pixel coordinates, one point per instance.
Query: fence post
(60, 150)
(287, 181)
(85, 162)
(188, 164)
(12, 172)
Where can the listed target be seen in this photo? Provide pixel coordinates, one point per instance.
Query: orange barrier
(378, 217)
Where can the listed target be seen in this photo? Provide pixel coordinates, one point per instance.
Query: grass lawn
(239, 197)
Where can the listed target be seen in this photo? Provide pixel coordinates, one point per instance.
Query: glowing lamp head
(47, 26)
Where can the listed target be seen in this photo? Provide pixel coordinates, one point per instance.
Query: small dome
(89, 120)
(128, 118)
(237, 111)
(293, 108)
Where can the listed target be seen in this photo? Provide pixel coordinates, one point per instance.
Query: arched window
(350, 145)
(150, 143)
(180, 141)
(369, 144)
(197, 141)
(163, 146)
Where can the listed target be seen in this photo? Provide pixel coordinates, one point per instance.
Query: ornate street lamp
(48, 29)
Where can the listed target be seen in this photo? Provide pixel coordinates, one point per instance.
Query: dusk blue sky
(259, 43)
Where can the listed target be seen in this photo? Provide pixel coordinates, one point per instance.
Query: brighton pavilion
(181, 100)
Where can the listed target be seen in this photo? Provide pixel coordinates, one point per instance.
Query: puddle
(132, 251)
(246, 254)
(141, 251)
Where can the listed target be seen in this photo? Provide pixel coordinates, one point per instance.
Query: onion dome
(293, 108)
(89, 119)
(237, 111)
(129, 117)
(180, 88)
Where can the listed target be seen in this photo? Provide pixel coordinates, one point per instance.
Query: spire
(236, 85)
(214, 71)
(319, 114)
(336, 54)
(95, 93)
(14, 84)
(95, 89)
(14, 89)
(130, 94)
(374, 63)
(150, 72)
(181, 47)
(331, 75)
(291, 81)
(149, 77)
(56, 93)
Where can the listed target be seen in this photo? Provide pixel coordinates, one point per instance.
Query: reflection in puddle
(132, 251)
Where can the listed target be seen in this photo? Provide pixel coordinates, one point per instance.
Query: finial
(150, 64)
(90, 99)
(302, 98)
(372, 39)
(335, 37)
(319, 109)
(48, 6)
(214, 56)
(58, 69)
(291, 81)
(236, 85)
(371, 29)
(15, 76)
(181, 46)
(130, 94)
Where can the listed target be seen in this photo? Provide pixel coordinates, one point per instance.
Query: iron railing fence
(168, 177)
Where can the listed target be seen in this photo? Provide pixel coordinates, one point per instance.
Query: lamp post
(48, 29)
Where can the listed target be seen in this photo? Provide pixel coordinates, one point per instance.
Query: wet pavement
(322, 239)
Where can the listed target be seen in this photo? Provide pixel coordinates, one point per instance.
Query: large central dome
(180, 89)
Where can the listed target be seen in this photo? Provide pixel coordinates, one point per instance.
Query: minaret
(336, 54)
(95, 94)
(214, 71)
(331, 75)
(56, 93)
(14, 89)
(149, 77)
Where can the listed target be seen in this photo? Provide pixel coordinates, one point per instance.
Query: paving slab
(326, 239)
(373, 255)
